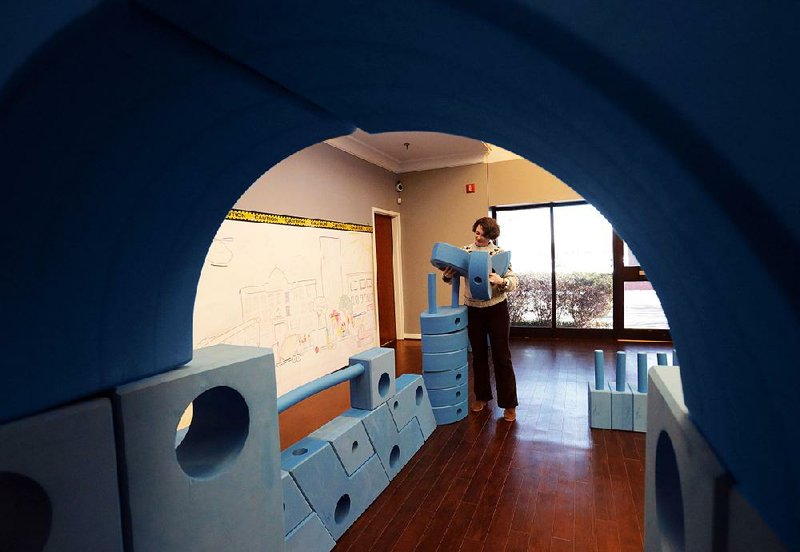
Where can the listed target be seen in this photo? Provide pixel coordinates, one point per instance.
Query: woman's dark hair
(491, 230)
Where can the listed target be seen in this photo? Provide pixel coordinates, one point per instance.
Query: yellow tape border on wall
(288, 220)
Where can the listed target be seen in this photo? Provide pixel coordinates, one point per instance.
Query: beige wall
(436, 208)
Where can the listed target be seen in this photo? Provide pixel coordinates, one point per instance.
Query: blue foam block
(395, 448)
(445, 255)
(478, 277)
(639, 410)
(376, 385)
(448, 395)
(621, 408)
(451, 413)
(349, 440)
(338, 499)
(225, 473)
(444, 343)
(443, 380)
(599, 407)
(501, 262)
(412, 401)
(58, 481)
(295, 506)
(444, 320)
(439, 362)
(309, 536)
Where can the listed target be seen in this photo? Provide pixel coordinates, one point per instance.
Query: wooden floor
(544, 482)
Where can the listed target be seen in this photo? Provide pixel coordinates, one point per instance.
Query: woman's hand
(449, 272)
(495, 279)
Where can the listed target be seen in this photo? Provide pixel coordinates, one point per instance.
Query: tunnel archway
(131, 128)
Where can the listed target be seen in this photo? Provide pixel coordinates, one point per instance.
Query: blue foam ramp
(395, 448)
(376, 385)
(439, 362)
(338, 499)
(349, 440)
(412, 401)
(445, 255)
(478, 277)
(501, 262)
(444, 320)
(225, 473)
(599, 407)
(309, 536)
(621, 408)
(295, 506)
(448, 395)
(444, 343)
(451, 413)
(448, 378)
(58, 481)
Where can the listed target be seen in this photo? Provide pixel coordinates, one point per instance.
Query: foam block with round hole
(376, 385)
(439, 362)
(448, 395)
(444, 320)
(448, 378)
(309, 536)
(478, 277)
(395, 448)
(221, 488)
(295, 506)
(444, 343)
(58, 481)
(349, 440)
(338, 499)
(445, 255)
(413, 402)
(452, 413)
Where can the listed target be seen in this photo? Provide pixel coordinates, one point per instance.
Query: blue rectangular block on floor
(444, 320)
(376, 385)
(338, 499)
(599, 407)
(448, 378)
(639, 410)
(310, 536)
(349, 440)
(439, 362)
(448, 395)
(226, 471)
(395, 448)
(65, 458)
(445, 343)
(295, 506)
(449, 414)
(621, 408)
(412, 401)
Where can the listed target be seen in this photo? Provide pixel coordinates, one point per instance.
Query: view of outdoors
(583, 262)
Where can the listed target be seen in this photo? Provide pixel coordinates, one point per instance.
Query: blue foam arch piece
(443, 380)
(451, 413)
(449, 395)
(444, 343)
(445, 320)
(478, 277)
(445, 255)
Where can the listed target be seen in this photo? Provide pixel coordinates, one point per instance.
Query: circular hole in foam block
(458, 377)
(458, 394)
(383, 384)
(420, 393)
(219, 428)
(669, 499)
(457, 321)
(25, 514)
(458, 411)
(354, 447)
(394, 456)
(342, 508)
(299, 451)
(478, 280)
(396, 404)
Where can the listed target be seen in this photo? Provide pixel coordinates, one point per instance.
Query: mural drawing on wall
(305, 291)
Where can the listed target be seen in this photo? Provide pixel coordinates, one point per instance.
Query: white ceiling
(401, 152)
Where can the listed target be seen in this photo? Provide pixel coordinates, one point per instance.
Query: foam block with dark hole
(444, 320)
(376, 385)
(448, 378)
(349, 440)
(452, 413)
(412, 401)
(478, 278)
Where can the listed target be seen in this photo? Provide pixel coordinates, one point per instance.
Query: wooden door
(384, 254)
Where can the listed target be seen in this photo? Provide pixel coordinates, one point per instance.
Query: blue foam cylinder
(445, 343)
(641, 359)
(599, 370)
(320, 384)
(621, 371)
(443, 380)
(456, 291)
(432, 293)
(448, 395)
(446, 320)
(441, 362)
(661, 359)
(450, 413)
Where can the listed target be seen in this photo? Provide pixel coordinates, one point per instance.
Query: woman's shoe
(510, 414)
(477, 406)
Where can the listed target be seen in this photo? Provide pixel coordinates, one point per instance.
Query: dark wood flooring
(544, 482)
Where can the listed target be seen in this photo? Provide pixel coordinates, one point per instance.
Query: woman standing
(490, 319)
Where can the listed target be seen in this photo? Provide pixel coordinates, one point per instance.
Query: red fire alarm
(471, 188)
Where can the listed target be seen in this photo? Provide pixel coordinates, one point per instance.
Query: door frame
(397, 271)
